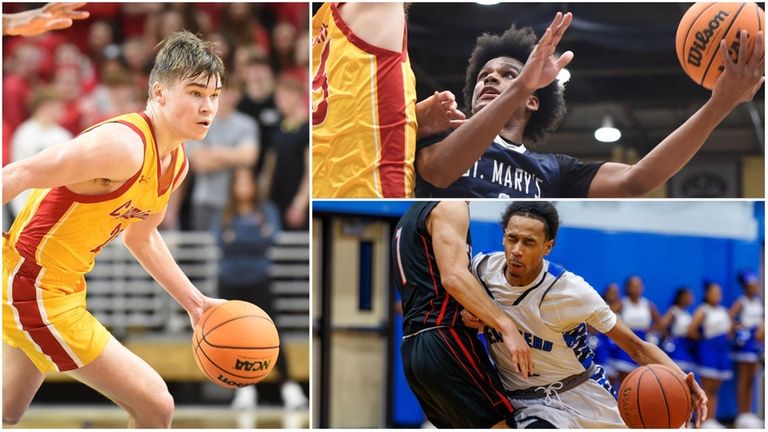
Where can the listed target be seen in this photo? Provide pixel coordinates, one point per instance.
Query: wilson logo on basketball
(251, 366)
(696, 53)
(229, 382)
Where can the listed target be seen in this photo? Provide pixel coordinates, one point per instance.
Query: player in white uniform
(748, 314)
(552, 308)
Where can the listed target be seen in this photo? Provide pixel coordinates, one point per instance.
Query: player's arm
(53, 16)
(209, 159)
(444, 162)
(145, 243)
(647, 353)
(448, 225)
(738, 83)
(379, 24)
(111, 151)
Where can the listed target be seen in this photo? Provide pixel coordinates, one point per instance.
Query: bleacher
(150, 323)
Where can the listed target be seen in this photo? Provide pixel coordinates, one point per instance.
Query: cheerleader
(602, 345)
(747, 313)
(641, 316)
(675, 323)
(711, 325)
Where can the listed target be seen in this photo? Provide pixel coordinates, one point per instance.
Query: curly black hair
(543, 211)
(517, 44)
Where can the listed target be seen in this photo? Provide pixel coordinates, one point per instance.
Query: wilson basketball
(235, 344)
(701, 29)
(654, 396)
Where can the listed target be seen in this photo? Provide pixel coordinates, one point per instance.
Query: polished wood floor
(41, 416)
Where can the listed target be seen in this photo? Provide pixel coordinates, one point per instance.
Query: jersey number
(403, 280)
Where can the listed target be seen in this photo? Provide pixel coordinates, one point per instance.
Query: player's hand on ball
(542, 67)
(741, 79)
(699, 399)
(470, 320)
(197, 312)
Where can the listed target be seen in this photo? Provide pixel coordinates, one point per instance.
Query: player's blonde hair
(182, 56)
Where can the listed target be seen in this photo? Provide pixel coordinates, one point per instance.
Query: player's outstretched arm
(110, 151)
(444, 162)
(145, 243)
(738, 83)
(448, 224)
(646, 353)
(53, 16)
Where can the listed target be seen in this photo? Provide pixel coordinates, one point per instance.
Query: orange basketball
(235, 344)
(654, 396)
(701, 29)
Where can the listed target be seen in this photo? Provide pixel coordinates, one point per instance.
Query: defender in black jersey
(445, 364)
(514, 104)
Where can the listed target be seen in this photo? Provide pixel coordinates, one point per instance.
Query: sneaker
(712, 424)
(748, 421)
(245, 398)
(293, 396)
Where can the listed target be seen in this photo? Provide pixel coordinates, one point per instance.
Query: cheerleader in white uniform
(711, 325)
(748, 315)
(676, 323)
(641, 316)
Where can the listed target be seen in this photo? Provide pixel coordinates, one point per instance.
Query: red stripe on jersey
(53, 206)
(464, 366)
(434, 281)
(392, 123)
(183, 167)
(24, 300)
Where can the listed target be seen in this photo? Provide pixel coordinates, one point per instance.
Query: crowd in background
(703, 336)
(58, 83)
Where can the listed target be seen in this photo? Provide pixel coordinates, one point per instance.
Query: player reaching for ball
(513, 105)
(552, 308)
(114, 177)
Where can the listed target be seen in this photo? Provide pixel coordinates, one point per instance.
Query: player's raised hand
(542, 67)
(741, 79)
(698, 401)
(438, 113)
(52, 16)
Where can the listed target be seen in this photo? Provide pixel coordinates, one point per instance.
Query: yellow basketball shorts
(44, 315)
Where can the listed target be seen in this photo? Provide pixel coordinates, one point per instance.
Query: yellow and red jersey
(363, 114)
(63, 231)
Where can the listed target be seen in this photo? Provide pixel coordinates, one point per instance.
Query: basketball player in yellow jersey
(364, 111)
(114, 177)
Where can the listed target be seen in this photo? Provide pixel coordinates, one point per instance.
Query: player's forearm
(443, 163)
(676, 150)
(12, 185)
(153, 254)
(463, 286)
(649, 353)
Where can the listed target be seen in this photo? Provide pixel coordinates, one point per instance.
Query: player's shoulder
(116, 142)
(487, 262)
(570, 284)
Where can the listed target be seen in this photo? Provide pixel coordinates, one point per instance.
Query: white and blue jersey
(746, 348)
(638, 317)
(712, 358)
(678, 345)
(508, 170)
(552, 314)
